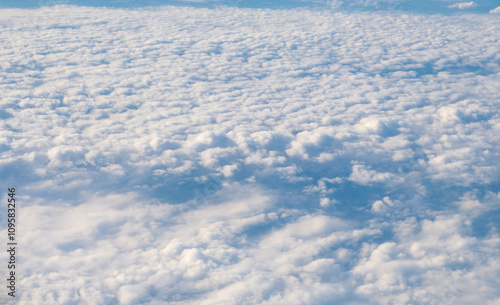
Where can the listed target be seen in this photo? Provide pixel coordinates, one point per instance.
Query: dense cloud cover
(233, 155)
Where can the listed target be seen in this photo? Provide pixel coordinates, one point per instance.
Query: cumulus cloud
(495, 10)
(362, 175)
(463, 5)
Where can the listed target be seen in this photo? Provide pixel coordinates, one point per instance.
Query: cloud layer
(183, 155)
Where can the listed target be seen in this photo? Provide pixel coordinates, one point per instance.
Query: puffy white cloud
(495, 10)
(463, 5)
(430, 252)
(362, 175)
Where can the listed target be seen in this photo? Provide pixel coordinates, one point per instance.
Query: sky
(238, 152)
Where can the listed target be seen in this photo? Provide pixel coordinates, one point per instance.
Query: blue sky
(326, 152)
(428, 6)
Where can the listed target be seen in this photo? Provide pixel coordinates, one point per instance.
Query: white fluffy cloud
(232, 155)
(495, 10)
(463, 5)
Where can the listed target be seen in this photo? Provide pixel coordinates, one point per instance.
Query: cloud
(362, 175)
(463, 5)
(495, 10)
(388, 271)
